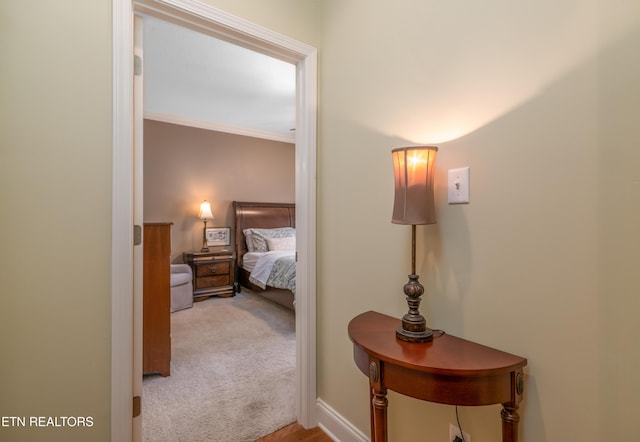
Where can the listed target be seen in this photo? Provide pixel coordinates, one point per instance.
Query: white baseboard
(336, 426)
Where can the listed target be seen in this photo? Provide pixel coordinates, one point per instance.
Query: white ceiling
(194, 79)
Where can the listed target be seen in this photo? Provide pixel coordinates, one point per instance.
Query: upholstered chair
(181, 287)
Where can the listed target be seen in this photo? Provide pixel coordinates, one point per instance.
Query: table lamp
(205, 214)
(414, 204)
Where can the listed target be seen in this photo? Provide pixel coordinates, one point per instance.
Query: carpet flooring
(232, 373)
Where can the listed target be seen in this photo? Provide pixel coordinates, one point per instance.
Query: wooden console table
(448, 370)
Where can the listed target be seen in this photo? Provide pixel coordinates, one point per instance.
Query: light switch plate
(458, 185)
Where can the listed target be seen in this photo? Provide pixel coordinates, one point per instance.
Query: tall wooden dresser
(156, 303)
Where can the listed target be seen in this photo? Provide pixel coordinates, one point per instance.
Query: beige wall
(55, 194)
(540, 100)
(184, 165)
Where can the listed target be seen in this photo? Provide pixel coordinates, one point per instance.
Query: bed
(268, 268)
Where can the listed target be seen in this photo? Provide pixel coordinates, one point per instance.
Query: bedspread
(276, 269)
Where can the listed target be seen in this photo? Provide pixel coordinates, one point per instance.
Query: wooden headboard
(259, 215)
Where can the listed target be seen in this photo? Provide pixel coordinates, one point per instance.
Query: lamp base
(414, 328)
(205, 244)
(410, 336)
(414, 325)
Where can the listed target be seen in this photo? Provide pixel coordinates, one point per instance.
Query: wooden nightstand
(213, 273)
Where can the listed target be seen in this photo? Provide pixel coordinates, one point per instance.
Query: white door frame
(204, 18)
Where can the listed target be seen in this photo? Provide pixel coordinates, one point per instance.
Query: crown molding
(220, 127)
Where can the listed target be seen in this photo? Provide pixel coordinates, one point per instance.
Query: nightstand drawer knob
(213, 269)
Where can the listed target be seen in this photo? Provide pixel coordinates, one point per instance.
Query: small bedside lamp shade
(413, 169)
(205, 210)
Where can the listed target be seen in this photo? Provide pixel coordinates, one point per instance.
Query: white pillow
(282, 244)
(248, 239)
(259, 236)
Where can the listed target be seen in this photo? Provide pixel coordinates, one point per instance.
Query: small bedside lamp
(413, 169)
(205, 214)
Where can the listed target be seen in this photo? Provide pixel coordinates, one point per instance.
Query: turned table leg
(379, 402)
(510, 420)
(509, 413)
(379, 415)
(372, 414)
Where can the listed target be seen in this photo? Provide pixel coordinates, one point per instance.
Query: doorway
(125, 315)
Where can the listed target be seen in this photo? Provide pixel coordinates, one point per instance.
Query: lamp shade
(205, 210)
(413, 170)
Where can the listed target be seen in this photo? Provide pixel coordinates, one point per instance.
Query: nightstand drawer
(212, 281)
(215, 268)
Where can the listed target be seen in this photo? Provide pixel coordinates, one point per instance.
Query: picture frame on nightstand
(218, 236)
